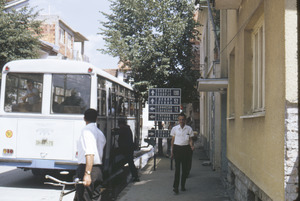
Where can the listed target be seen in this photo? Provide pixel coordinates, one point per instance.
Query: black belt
(181, 145)
(97, 165)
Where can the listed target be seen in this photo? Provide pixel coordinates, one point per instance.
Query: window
(68, 96)
(23, 92)
(101, 96)
(121, 101)
(131, 103)
(112, 101)
(69, 41)
(258, 103)
(232, 83)
(62, 35)
(254, 66)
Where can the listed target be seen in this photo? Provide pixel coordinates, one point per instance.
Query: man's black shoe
(183, 189)
(175, 190)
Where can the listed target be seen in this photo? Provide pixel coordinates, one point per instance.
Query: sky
(83, 17)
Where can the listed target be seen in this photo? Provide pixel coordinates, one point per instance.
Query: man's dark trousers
(181, 154)
(190, 159)
(92, 192)
(129, 159)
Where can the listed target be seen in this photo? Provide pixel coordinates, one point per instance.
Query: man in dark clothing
(126, 146)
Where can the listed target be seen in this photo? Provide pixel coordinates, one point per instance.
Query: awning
(212, 84)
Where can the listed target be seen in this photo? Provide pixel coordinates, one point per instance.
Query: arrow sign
(151, 133)
(162, 117)
(152, 100)
(151, 117)
(165, 92)
(164, 100)
(152, 92)
(166, 109)
(159, 133)
(152, 108)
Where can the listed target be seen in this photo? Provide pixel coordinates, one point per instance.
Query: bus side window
(101, 96)
(121, 106)
(132, 104)
(111, 102)
(114, 99)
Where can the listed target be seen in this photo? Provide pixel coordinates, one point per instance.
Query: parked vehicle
(42, 135)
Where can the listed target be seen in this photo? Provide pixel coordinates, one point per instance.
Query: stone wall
(242, 187)
(291, 154)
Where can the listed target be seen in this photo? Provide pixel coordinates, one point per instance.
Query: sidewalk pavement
(203, 184)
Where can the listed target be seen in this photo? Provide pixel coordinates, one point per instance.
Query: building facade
(58, 40)
(212, 86)
(258, 59)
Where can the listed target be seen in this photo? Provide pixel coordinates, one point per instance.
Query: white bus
(41, 113)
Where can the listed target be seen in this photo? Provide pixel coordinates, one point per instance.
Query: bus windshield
(70, 93)
(23, 92)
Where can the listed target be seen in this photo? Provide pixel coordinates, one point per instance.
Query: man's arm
(191, 141)
(88, 169)
(172, 145)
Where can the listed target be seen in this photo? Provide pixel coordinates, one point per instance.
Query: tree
(19, 36)
(153, 38)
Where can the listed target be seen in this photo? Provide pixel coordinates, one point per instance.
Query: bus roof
(58, 66)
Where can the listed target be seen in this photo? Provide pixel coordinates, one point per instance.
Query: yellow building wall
(255, 145)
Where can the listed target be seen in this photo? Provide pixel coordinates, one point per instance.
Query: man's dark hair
(182, 114)
(30, 81)
(90, 115)
(122, 122)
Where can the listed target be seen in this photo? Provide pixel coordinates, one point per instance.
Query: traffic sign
(165, 92)
(158, 133)
(162, 117)
(164, 109)
(164, 104)
(164, 100)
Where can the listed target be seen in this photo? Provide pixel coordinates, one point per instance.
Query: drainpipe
(214, 26)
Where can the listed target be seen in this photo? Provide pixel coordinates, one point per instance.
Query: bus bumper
(39, 164)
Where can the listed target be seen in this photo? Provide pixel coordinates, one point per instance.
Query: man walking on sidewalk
(126, 145)
(181, 144)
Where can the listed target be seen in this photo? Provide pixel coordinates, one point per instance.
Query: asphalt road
(20, 185)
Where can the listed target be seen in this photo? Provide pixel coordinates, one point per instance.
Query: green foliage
(152, 37)
(19, 35)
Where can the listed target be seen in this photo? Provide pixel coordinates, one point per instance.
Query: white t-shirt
(182, 135)
(35, 98)
(91, 141)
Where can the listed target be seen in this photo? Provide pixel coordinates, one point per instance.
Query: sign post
(164, 105)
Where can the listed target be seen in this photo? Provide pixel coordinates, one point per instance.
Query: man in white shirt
(90, 151)
(32, 94)
(181, 144)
